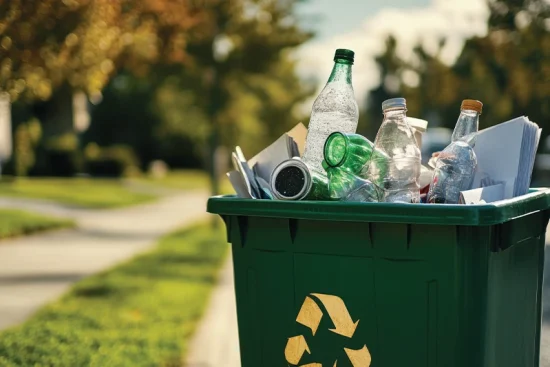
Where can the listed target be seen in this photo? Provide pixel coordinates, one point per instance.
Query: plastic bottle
(335, 109)
(455, 166)
(397, 168)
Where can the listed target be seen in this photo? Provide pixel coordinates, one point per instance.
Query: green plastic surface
(431, 285)
(476, 215)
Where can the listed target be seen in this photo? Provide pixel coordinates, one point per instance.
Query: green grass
(186, 180)
(180, 179)
(17, 222)
(141, 313)
(91, 193)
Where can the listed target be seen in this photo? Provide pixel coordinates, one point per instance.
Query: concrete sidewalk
(37, 269)
(216, 342)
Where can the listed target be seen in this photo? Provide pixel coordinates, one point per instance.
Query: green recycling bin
(325, 284)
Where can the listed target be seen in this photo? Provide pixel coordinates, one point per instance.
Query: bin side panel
(473, 251)
(513, 297)
(331, 238)
(342, 287)
(413, 325)
(265, 299)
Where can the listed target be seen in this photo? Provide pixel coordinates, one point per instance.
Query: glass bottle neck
(341, 72)
(468, 123)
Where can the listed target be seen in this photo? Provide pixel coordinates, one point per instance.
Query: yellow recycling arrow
(316, 365)
(343, 324)
(295, 349)
(359, 358)
(310, 315)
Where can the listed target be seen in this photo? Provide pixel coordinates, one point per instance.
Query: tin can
(291, 180)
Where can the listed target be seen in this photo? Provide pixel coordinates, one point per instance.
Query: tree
(81, 43)
(508, 70)
(249, 103)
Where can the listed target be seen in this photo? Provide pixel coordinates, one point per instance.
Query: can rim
(293, 162)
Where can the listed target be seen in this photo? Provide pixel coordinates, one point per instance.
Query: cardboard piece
(289, 145)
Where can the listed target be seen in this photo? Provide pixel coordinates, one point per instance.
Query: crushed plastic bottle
(456, 164)
(397, 168)
(335, 109)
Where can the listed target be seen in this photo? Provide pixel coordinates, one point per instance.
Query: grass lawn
(17, 222)
(92, 193)
(141, 313)
(187, 180)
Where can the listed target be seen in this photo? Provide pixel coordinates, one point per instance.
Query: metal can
(291, 180)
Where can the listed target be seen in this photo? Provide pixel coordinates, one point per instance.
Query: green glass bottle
(345, 155)
(334, 109)
(350, 151)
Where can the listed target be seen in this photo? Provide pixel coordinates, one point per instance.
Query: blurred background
(103, 88)
(107, 104)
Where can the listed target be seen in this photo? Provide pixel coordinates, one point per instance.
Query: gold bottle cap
(472, 104)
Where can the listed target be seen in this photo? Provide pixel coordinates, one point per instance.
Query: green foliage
(90, 193)
(188, 179)
(26, 138)
(113, 161)
(246, 97)
(18, 222)
(130, 115)
(141, 313)
(46, 43)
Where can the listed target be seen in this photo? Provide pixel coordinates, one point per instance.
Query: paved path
(37, 269)
(216, 342)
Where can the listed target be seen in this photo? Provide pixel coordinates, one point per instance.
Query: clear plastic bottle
(456, 165)
(397, 168)
(335, 109)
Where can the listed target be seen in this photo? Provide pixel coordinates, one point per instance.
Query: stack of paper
(506, 154)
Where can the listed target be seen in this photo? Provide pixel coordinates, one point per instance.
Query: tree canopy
(508, 70)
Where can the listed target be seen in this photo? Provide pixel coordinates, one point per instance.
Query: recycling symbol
(310, 315)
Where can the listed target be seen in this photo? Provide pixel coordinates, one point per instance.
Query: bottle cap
(472, 104)
(394, 103)
(345, 54)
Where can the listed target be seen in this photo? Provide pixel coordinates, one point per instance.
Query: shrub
(113, 161)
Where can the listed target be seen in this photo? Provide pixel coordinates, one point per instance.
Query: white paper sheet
(482, 195)
(505, 154)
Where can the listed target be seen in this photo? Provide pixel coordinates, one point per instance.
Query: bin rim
(536, 200)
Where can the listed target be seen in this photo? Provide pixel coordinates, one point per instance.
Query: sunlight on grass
(141, 313)
(85, 192)
(17, 222)
(187, 180)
